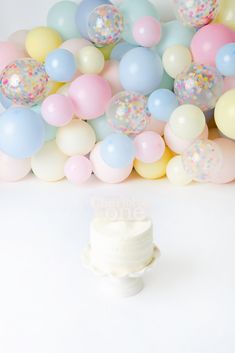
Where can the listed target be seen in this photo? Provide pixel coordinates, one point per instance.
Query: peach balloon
(111, 74)
(226, 174)
(75, 44)
(106, 173)
(19, 38)
(12, 169)
(156, 126)
(177, 144)
(10, 52)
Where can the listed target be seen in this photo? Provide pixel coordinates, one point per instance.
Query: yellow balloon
(176, 59)
(107, 50)
(41, 41)
(155, 170)
(53, 87)
(227, 14)
(48, 163)
(175, 172)
(187, 121)
(90, 60)
(225, 114)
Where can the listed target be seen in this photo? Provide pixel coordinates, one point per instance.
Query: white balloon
(176, 59)
(12, 169)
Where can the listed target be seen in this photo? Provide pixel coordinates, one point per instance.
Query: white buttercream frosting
(121, 247)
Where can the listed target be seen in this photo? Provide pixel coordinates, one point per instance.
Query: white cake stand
(125, 285)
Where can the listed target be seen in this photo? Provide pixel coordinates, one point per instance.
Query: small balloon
(175, 172)
(147, 31)
(105, 25)
(61, 65)
(90, 60)
(225, 60)
(57, 110)
(149, 147)
(196, 13)
(24, 82)
(199, 85)
(202, 160)
(162, 103)
(101, 127)
(117, 151)
(127, 113)
(176, 59)
(78, 169)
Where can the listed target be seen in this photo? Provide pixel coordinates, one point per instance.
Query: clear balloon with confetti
(199, 85)
(105, 25)
(196, 13)
(24, 82)
(127, 112)
(202, 160)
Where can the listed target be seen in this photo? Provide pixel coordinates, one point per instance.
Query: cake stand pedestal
(125, 285)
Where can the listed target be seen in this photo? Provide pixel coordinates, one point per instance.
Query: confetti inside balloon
(196, 13)
(202, 160)
(199, 85)
(105, 25)
(127, 113)
(24, 82)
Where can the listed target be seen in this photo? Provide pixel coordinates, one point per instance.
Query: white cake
(121, 247)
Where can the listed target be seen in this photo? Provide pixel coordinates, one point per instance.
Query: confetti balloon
(127, 113)
(25, 82)
(202, 160)
(199, 85)
(105, 25)
(196, 13)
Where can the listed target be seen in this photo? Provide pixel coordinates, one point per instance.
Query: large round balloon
(105, 25)
(199, 85)
(22, 132)
(226, 14)
(196, 13)
(127, 113)
(61, 17)
(202, 160)
(24, 82)
(141, 71)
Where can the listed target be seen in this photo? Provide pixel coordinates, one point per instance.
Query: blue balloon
(61, 65)
(101, 127)
(225, 60)
(22, 132)
(5, 102)
(120, 50)
(141, 71)
(50, 131)
(83, 11)
(162, 103)
(117, 150)
(174, 33)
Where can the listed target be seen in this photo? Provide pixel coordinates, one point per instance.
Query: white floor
(49, 303)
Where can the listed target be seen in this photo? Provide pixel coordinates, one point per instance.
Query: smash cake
(121, 247)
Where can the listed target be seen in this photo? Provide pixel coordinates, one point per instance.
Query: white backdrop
(50, 304)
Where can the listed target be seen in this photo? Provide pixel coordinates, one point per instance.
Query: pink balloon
(9, 52)
(78, 169)
(208, 40)
(177, 144)
(106, 173)
(90, 95)
(156, 125)
(111, 74)
(147, 31)
(13, 169)
(229, 83)
(57, 110)
(75, 44)
(149, 147)
(226, 174)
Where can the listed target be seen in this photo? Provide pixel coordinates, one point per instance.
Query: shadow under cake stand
(124, 285)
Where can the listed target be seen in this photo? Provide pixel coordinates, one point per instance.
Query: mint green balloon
(174, 33)
(61, 17)
(132, 11)
(101, 127)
